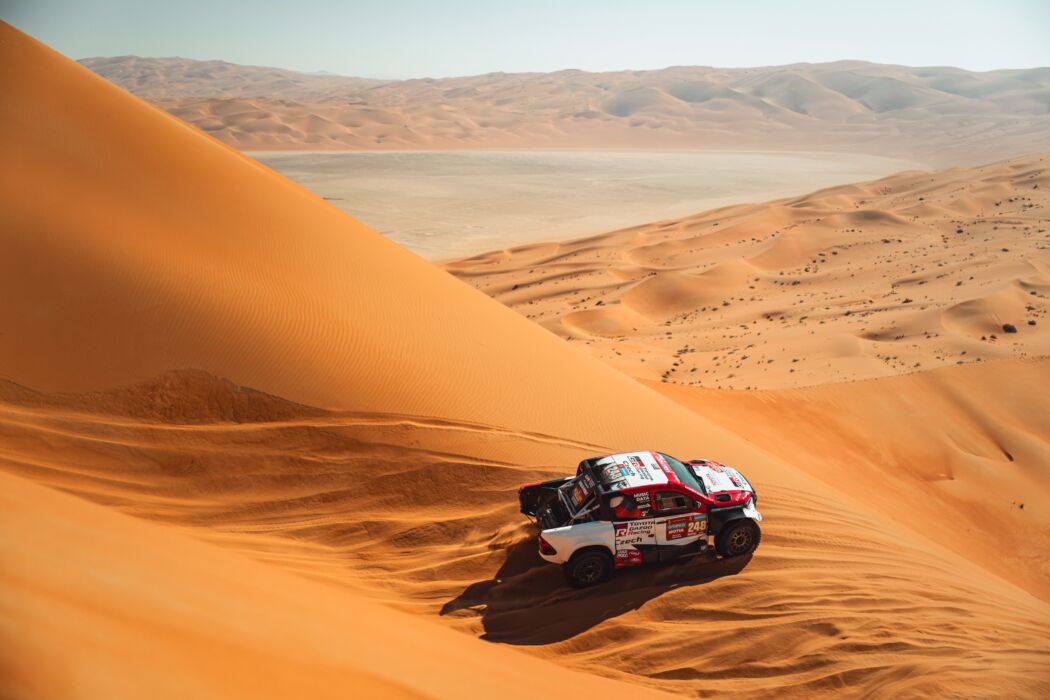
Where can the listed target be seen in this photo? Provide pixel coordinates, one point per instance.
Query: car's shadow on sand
(528, 601)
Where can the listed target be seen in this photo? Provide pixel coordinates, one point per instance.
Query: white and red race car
(640, 508)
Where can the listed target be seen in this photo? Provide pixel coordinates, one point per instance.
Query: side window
(672, 502)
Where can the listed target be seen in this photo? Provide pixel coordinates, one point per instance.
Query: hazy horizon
(413, 39)
(322, 72)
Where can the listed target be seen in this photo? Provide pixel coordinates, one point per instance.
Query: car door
(679, 524)
(634, 538)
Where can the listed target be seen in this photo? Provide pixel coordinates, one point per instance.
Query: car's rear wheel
(737, 538)
(588, 568)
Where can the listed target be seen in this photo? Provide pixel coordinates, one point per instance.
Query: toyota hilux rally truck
(640, 508)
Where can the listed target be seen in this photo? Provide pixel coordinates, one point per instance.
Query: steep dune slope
(391, 412)
(167, 250)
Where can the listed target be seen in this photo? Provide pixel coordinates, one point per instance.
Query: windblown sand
(249, 447)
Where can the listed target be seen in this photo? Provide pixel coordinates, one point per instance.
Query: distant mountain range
(937, 116)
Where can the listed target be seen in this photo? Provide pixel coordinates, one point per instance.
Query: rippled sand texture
(251, 448)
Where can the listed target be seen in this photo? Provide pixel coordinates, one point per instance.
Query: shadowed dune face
(97, 604)
(370, 470)
(942, 116)
(420, 513)
(911, 272)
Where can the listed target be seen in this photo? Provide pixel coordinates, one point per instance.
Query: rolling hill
(937, 115)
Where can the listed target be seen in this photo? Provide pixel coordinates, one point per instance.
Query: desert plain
(470, 201)
(250, 447)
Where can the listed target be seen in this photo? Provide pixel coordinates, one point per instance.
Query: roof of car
(629, 470)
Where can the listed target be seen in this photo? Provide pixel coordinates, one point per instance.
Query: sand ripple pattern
(420, 513)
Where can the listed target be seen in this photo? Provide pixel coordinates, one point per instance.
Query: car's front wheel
(588, 568)
(737, 538)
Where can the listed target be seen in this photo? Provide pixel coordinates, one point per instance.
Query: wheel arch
(597, 547)
(719, 518)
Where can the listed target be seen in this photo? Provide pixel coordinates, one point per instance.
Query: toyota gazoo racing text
(640, 508)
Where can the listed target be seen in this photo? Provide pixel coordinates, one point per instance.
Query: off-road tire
(588, 568)
(738, 538)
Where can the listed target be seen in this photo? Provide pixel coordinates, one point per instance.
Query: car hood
(719, 478)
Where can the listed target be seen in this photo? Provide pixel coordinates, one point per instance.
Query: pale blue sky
(413, 38)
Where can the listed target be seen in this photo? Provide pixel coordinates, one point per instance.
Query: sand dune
(977, 461)
(182, 619)
(198, 343)
(279, 291)
(939, 116)
(914, 271)
(418, 513)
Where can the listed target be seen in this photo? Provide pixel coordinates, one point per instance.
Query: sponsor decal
(718, 477)
(632, 527)
(635, 463)
(626, 536)
(632, 532)
(709, 482)
(676, 528)
(685, 526)
(662, 462)
(631, 469)
(628, 557)
(641, 499)
(738, 478)
(697, 526)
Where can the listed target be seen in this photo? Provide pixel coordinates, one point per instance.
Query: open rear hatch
(560, 502)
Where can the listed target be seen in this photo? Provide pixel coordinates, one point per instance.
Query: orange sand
(913, 271)
(168, 531)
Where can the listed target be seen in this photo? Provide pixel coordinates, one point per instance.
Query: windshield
(685, 474)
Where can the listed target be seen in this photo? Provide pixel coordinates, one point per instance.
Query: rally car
(639, 508)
